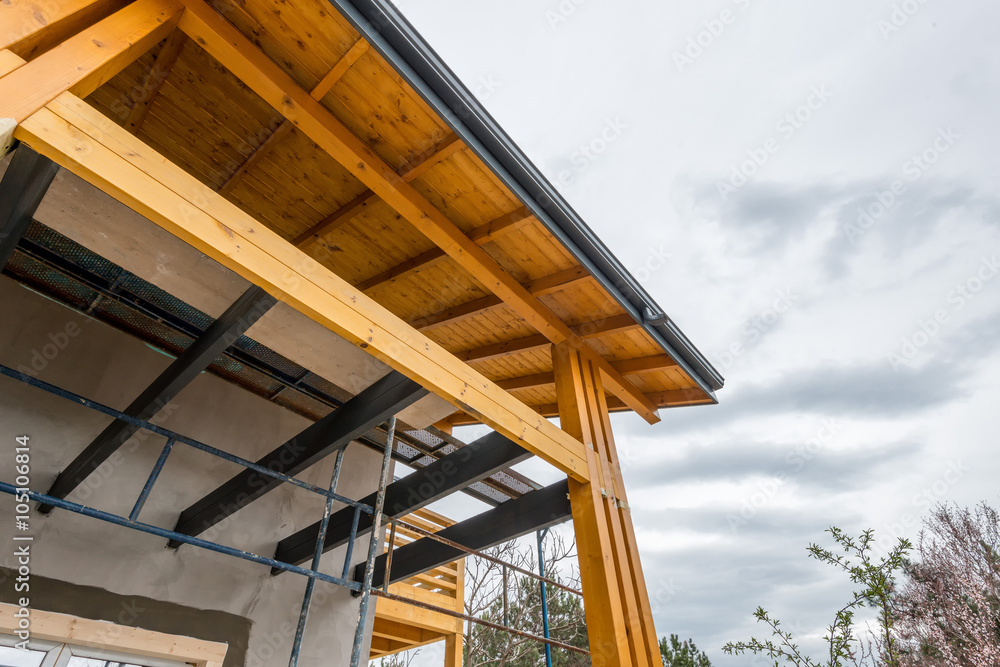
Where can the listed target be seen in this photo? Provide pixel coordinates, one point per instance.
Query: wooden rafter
(155, 79)
(284, 128)
(29, 29)
(547, 285)
(589, 330)
(637, 366)
(230, 47)
(85, 61)
(79, 138)
(480, 235)
(411, 170)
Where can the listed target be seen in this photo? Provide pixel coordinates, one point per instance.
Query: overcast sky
(809, 190)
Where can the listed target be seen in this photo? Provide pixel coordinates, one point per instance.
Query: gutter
(382, 25)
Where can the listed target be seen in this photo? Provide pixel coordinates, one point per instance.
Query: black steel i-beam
(353, 419)
(532, 511)
(467, 465)
(221, 334)
(22, 188)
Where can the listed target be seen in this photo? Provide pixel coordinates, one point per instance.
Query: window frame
(63, 636)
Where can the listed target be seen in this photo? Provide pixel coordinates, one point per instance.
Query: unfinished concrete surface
(111, 367)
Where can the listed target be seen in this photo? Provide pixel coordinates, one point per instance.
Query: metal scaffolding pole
(545, 601)
(373, 547)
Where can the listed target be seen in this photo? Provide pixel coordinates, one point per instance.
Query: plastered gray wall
(106, 365)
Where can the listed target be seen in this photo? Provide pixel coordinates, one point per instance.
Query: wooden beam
(32, 27)
(670, 398)
(481, 235)
(155, 79)
(509, 222)
(453, 653)
(79, 138)
(83, 62)
(546, 285)
(109, 636)
(588, 330)
(338, 71)
(284, 128)
(636, 366)
(9, 61)
(604, 603)
(227, 45)
(419, 165)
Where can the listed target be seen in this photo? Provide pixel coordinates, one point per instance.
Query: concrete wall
(111, 367)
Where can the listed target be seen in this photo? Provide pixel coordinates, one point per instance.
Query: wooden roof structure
(447, 245)
(321, 150)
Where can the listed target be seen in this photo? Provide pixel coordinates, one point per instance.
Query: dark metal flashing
(400, 44)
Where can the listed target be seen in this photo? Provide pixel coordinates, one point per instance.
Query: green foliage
(874, 581)
(686, 654)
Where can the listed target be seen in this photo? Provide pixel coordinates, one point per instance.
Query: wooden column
(619, 619)
(453, 650)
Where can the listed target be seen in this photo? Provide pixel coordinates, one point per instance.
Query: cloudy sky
(822, 179)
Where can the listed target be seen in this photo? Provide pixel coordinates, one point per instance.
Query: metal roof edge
(392, 35)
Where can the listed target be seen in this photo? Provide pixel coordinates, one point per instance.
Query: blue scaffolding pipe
(324, 524)
(148, 486)
(545, 602)
(373, 547)
(191, 442)
(172, 535)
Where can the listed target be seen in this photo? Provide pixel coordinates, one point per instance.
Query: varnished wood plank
(271, 83)
(85, 61)
(154, 80)
(606, 622)
(9, 61)
(340, 69)
(122, 166)
(31, 27)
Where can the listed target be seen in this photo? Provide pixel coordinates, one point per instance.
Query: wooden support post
(618, 613)
(453, 650)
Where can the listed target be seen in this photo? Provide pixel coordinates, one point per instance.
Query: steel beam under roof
(532, 511)
(239, 317)
(454, 472)
(359, 415)
(22, 188)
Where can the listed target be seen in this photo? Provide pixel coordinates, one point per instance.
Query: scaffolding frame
(362, 588)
